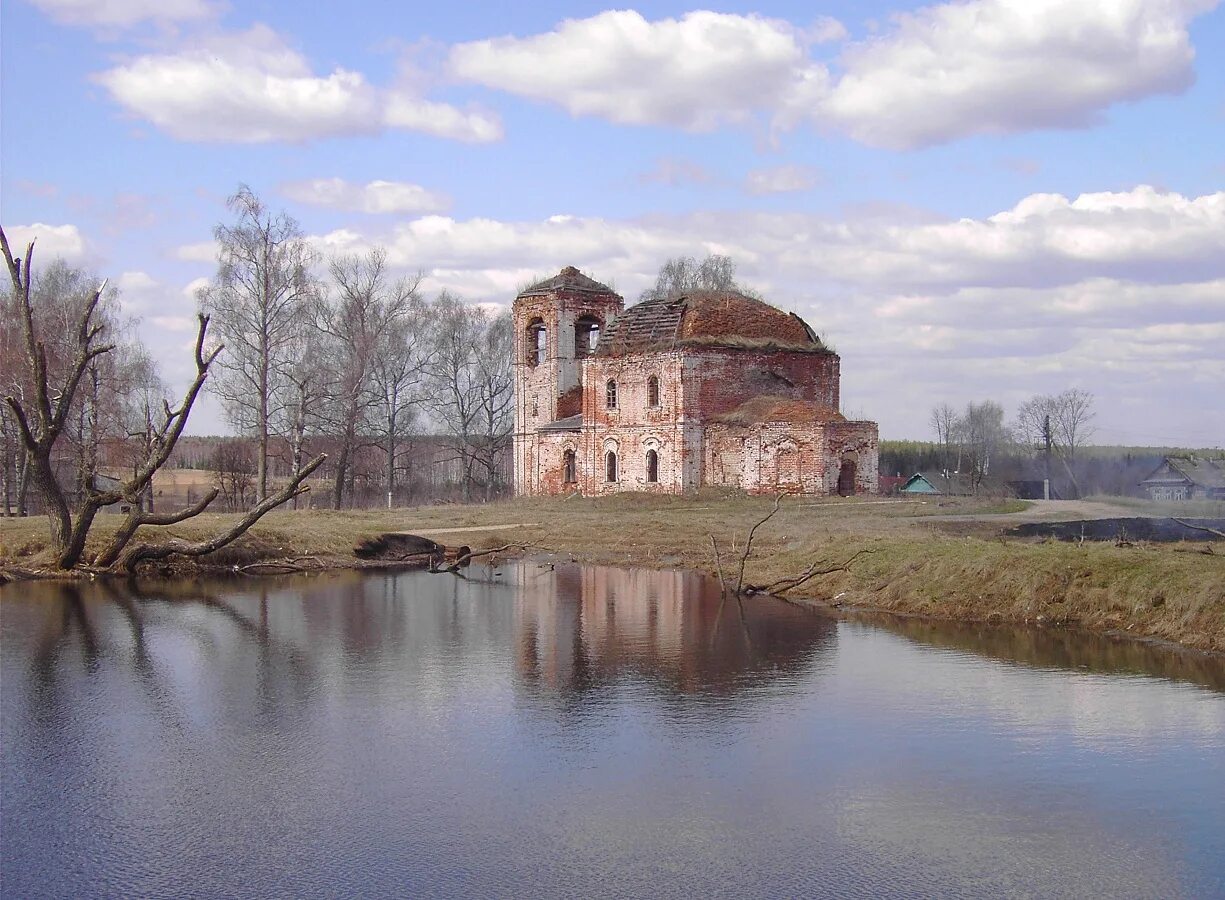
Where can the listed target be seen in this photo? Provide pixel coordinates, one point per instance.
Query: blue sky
(978, 199)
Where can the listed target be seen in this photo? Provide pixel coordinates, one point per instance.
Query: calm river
(586, 732)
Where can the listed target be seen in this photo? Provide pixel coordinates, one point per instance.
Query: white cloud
(1004, 66)
(826, 30)
(698, 72)
(194, 286)
(1044, 241)
(202, 251)
(139, 292)
(408, 111)
(941, 73)
(781, 179)
(126, 13)
(372, 197)
(50, 242)
(252, 87)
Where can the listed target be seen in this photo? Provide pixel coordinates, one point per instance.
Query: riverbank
(944, 560)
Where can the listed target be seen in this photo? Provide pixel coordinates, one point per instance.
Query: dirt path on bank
(1047, 511)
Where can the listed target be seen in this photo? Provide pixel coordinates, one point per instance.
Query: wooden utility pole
(1046, 437)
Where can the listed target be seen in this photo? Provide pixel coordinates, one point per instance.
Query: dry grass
(1174, 592)
(1211, 509)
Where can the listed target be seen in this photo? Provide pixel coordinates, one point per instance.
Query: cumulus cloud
(252, 87)
(698, 72)
(941, 73)
(1045, 240)
(1003, 66)
(373, 197)
(50, 242)
(781, 179)
(126, 13)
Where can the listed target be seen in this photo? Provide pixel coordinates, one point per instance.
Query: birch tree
(258, 302)
(365, 303)
(681, 274)
(401, 358)
(471, 386)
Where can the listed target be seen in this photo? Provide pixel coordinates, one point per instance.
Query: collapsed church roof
(569, 280)
(707, 319)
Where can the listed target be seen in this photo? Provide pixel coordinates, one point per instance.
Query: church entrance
(846, 474)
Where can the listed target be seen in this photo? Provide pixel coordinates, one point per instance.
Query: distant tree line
(1049, 437)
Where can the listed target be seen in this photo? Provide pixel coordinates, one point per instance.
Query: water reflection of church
(581, 627)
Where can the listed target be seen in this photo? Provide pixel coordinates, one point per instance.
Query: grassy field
(911, 559)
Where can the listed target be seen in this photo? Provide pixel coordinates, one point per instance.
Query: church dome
(707, 319)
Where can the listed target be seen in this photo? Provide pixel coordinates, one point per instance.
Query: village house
(1187, 478)
(704, 389)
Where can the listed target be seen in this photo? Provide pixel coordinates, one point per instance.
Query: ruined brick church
(710, 388)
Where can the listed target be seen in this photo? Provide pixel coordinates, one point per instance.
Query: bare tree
(496, 397)
(400, 361)
(944, 423)
(470, 384)
(258, 301)
(1072, 421)
(681, 274)
(234, 465)
(982, 434)
(366, 303)
(1064, 420)
(42, 419)
(304, 393)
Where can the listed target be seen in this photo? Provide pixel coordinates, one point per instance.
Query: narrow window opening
(537, 342)
(610, 394)
(586, 336)
(610, 466)
(653, 391)
(569, 468)
(652, 467)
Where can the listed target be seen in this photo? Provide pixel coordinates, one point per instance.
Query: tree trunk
(42, 476)
(74, 547)
(23, 484)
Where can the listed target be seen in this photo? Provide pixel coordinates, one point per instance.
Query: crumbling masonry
(709, 388)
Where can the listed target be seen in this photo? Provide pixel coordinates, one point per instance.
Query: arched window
(537, 342)
(652, 467)
(610, 465)
(610, 395)
(653, 391)
(586, 336)
(569, 470)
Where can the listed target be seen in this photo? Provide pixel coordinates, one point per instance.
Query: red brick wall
(717, 381)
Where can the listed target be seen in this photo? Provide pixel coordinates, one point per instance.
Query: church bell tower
(557, 324)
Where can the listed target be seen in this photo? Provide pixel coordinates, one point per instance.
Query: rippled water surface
(565, 731)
